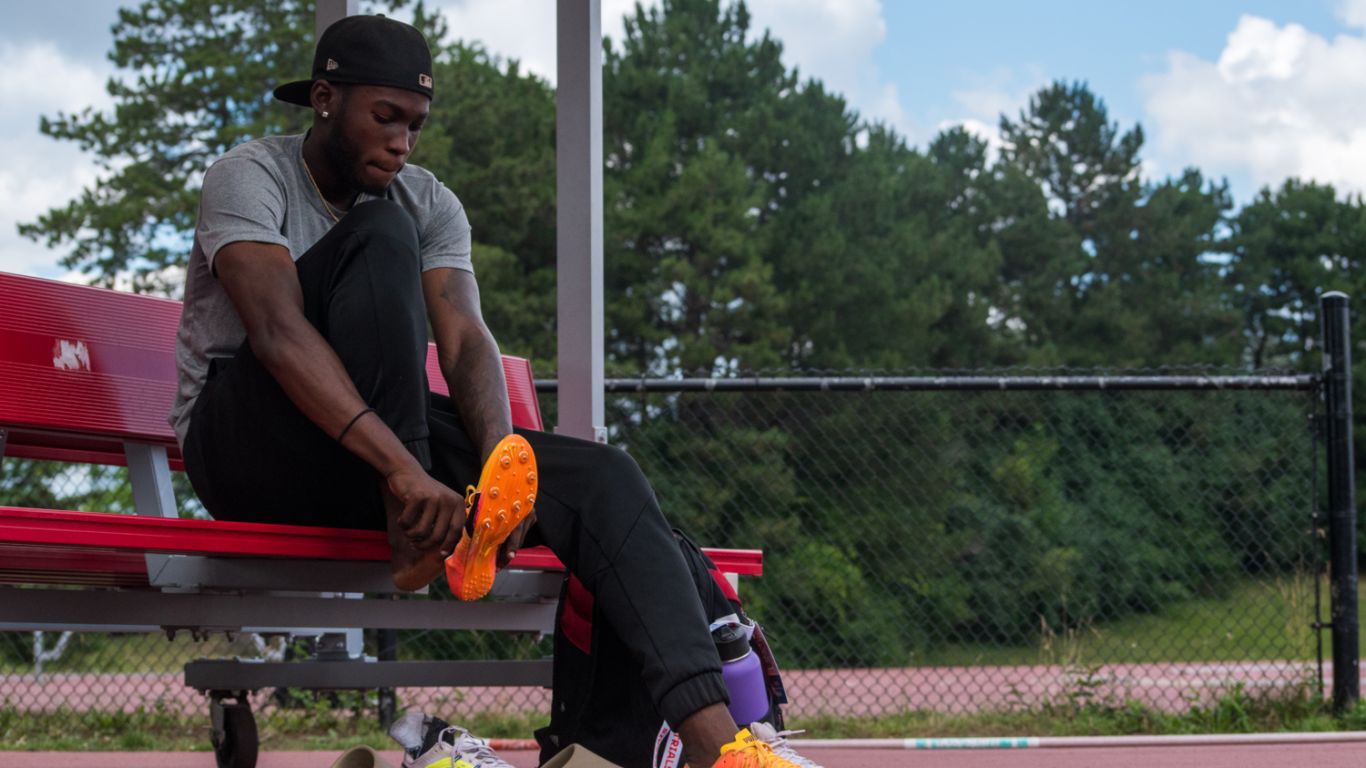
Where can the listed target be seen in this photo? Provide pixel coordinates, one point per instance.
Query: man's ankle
(704, 732)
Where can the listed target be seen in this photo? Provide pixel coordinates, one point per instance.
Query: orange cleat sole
(506, 493)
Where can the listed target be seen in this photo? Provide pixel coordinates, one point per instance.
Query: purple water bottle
(743, 673)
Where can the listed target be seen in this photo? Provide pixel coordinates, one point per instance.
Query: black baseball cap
(367, 50)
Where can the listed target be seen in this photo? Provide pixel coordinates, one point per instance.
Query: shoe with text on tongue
(430, 742)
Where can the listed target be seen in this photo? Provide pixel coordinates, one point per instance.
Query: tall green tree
(1065, 141)
(491, 138)
(684, 93)
(196, 80)
(1037, 254)
(1288, 247)
(1146, 288)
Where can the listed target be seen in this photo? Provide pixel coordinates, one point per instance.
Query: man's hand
(433, 515)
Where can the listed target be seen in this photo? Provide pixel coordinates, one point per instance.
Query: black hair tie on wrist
(353, 423)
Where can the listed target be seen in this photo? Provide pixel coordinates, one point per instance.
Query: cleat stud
(531, 477)
(503, 516)
(493, 492)
(531, 498)
(505, 461)
(523, 457)
(488, 524)
(516, 506)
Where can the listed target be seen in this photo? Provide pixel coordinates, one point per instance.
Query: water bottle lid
(731, 642)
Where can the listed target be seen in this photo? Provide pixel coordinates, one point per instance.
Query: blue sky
(1250, 90)
(935, 47)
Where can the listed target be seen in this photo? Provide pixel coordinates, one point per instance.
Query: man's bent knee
(385, 217)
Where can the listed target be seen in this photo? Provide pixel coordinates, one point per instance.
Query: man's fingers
(452, 536)
(432, 513)
(419, 528)
(412, 510)
(435, 532)
(514, 541)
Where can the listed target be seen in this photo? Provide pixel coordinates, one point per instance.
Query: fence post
(1342, 513)
(387, 642)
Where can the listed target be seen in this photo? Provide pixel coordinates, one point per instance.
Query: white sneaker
(778, 741)
(430, 742)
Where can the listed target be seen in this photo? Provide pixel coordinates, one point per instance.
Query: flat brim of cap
(295, 92)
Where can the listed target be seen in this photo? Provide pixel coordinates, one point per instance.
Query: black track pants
(253, 456)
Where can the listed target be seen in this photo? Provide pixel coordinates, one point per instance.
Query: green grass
(1255, 620)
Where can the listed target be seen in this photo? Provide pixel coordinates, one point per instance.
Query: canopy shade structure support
(578, 200)
(330, 11)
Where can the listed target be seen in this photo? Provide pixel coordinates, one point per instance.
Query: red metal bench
(88, 375)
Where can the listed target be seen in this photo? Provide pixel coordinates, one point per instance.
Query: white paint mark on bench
(70, 356)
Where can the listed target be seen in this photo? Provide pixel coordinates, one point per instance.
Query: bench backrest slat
(83, 369)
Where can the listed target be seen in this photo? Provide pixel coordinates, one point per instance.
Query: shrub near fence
(924, 528)
(943, 549)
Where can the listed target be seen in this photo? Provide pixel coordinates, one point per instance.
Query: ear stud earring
(325, 114)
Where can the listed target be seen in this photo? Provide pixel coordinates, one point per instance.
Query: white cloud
(987, 97)
(522, 29)
(1279, 102)
(987, 132)
(834, 41)
(1353, 12)
(39, 173)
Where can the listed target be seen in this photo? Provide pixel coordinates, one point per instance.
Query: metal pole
(578, 221)
(329, 11)
(387, 642)
(1342, 514)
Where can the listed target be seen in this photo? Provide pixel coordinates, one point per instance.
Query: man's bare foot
(411, 568)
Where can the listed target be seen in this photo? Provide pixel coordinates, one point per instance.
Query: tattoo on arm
(471, 363)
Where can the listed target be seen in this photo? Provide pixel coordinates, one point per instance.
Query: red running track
(1332, 755)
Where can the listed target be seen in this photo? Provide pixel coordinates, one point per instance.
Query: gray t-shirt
(259, 192)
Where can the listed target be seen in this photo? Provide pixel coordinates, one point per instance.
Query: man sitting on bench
(317, 262)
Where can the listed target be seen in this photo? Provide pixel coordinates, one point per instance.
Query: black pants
(253, 456)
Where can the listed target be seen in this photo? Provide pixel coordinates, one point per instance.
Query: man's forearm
(314, 379)
(479, 390)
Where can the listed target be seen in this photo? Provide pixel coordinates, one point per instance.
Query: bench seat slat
(179, 536)
(64, 535)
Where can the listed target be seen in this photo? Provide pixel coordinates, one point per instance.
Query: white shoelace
(469, 748)
(778, 741)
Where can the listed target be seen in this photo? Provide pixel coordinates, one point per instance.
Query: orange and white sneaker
(749, 752)
(505, 496)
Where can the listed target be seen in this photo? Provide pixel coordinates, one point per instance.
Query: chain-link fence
(927, 547)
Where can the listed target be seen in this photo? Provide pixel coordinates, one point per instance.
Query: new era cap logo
(424, 80)
(332, 64)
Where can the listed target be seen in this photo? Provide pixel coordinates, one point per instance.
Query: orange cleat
(506, 494)
(749, 752)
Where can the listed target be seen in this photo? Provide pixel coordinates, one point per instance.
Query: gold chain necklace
(326, 205)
